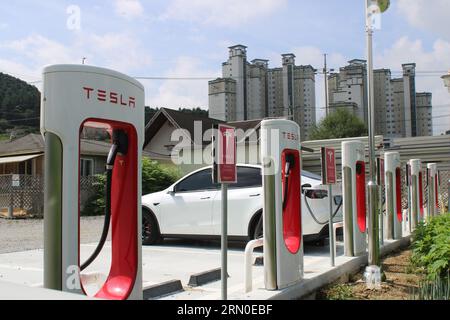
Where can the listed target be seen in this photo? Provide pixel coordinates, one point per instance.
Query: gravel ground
(21, 235)
(399, 284)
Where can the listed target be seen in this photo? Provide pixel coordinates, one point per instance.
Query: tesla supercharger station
(416, 193)
(283, 245)
(393, 177)
(354, 197)
(75, 97)
(433, 190)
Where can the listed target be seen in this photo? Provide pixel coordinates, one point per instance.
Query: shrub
(431, 247)
(155, 177)
(95, 205)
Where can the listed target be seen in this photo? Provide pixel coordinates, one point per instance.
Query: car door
(244, 200)
(188, 210)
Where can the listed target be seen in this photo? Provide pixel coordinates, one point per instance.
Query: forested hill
(19, 105)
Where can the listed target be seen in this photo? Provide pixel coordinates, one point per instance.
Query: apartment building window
(87, 167)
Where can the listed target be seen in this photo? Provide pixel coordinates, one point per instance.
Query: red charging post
(224, 172)
(329, 178)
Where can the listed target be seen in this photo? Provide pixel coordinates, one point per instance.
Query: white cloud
(405, 50)
(314, 56)
(229, 13)
(172, 93)
(29, 55)
(431, 15)
(129, 8)
(120, 51)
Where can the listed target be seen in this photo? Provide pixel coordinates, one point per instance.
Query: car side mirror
(306, 185)
(171, 191)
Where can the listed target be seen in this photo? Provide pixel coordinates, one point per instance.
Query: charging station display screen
(291, 200)
(361, 195)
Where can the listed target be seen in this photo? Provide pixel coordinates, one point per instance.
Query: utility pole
(325, 75)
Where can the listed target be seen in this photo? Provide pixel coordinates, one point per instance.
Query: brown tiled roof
(34, 143)
(179, 120)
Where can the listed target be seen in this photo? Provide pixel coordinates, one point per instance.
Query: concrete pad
(182, 259)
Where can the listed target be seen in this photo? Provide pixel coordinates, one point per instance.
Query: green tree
(339, 124)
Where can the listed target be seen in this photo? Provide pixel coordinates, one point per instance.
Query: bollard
(10, 212)
(252, 245)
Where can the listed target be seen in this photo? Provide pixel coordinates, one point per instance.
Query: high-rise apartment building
(262, 92)
(410, 109)
(396, 107)
(424, 114)
(348, 88)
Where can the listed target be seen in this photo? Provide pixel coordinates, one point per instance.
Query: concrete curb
(203, 278)
(308, 287)
(162, 289)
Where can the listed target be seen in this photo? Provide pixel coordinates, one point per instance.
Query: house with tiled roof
(25, 155)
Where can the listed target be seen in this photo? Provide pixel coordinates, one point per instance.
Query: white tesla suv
(191, 207)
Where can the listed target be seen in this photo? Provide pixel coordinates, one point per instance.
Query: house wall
(32, 167)
(158, 146)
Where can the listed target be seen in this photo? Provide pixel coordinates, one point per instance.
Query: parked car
(191, 207)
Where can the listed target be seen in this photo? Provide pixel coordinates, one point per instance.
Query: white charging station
(354, 198)
(393, 178)
(416, 192)
(433, 190)
(74, 97)
(283, 245)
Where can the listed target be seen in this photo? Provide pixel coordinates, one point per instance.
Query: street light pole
(373, 188)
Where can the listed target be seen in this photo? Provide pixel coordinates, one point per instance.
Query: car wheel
(150, 230)
(258, 231)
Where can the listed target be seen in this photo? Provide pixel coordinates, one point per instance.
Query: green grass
(339, 292)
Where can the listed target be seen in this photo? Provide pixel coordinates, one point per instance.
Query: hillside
(19, 106)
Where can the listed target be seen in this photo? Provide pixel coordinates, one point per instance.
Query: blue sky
(189, 38)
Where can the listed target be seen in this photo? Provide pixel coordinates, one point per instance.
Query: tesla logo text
(109, 96)
(290, 136)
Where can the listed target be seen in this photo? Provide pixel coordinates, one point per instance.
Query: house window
(26, 167)
(87, 167)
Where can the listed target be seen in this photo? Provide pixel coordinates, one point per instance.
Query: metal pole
(371, 102)
(380, 206)
(374, 245)
(325, 75)
(330, 223)
(224, 240)
(374, 241)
